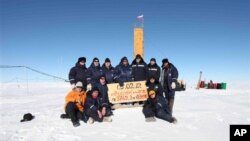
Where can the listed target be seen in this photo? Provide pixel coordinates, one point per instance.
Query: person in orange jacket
(74, 105)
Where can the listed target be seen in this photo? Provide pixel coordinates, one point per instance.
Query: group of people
(88, 100)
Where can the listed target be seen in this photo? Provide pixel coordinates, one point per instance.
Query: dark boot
(171, 105)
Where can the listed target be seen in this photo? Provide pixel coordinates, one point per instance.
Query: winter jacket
(156, 87)
(76, 97)
(109, 73)
(157, 104)
(139, 70)
(94, 74)
(93, 104)
(78, 73)
(168, 76)
(103, 94)
(123, 73)
(154, 70)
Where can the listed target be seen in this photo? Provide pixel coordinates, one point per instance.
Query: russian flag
(140, 17)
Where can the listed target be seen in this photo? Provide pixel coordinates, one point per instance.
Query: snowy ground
(203, 115)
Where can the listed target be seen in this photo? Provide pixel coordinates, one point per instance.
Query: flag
(140, 17)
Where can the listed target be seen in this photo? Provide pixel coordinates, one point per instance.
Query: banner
(130, 92)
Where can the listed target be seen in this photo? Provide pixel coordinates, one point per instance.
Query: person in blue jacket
(123, 72)
(108, 70)
(94, 72)
(79, 73)
(156, 106)
(139, 69)
(168, 80)
(103, 93)
(96, 108)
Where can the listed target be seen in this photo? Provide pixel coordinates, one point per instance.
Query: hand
(103, 111)
(99, 114)
(89, 87)
(121, 84)
(173, 85)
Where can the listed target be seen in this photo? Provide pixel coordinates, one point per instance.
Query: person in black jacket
(139, 69)
(108, 70)
(123, 72)
(168, 80)
(153, 84)
(156, 106)
(96, 108)
(103, 93)
(79, 73)
(154, 69)
(94, 72)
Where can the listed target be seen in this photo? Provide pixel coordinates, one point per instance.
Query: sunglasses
(79, 87)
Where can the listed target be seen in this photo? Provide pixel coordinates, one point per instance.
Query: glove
(173, 85)
(73, 85)
(89, 87)
(121, 84)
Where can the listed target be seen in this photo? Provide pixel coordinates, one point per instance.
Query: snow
(202, 115)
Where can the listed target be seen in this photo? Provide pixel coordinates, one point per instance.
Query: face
(96, 63)
(165, 64)
(152, 80)
(138, 60)
(107, 64)
(152, 96)
(125, 62)
(81, 63)
(78, 89)
(152, 62)
(102, 81)
(95, 94)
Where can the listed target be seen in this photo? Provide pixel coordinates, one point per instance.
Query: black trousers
(94, 114)
(159, 113)
(74, 114)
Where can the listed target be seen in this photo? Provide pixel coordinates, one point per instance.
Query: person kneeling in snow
(96, 108)
(74, 106)
(156, 106)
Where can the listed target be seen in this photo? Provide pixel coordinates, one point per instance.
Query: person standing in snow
(154, 69)
(96, 108)
(156, 106)
(123, 72)
(139, 69)
(79, 73)
(168, 80)
(74, 105)
(94, 72)
(108, 70)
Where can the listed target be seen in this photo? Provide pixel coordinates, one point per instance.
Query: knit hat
(95, 59)
(151, 92)
(124, 58)
(107, 60)
(165, 60)
(79, 84)
(27, 117)
(153, 59)
(81, 59)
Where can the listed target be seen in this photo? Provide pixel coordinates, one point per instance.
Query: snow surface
(203, 115)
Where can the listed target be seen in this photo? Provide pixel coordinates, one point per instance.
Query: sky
(212, 36)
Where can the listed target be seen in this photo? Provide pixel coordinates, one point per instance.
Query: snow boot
(76, 124)
(64, 116)
(91, 120)
(107, 119)
(150, 119)
(174, 120)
